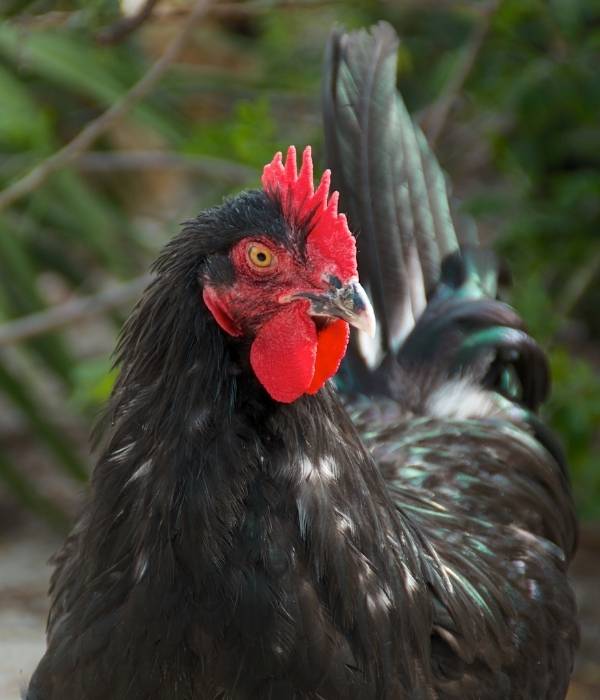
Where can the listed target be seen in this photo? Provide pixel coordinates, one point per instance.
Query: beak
(348, 302)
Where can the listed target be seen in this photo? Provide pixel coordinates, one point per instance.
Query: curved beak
(348, 302)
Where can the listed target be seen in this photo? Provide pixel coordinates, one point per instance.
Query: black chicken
(250, 534)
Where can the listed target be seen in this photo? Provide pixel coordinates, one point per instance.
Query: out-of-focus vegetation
(521, 144)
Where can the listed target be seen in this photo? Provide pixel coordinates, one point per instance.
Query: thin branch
(260, 6)
(56, 18)
(27, 492)
(244, 9)
(86, 137)
(437, 116)
(577, 286)
(205, 166)
(125, 26)
(45, 20)
(71, 312)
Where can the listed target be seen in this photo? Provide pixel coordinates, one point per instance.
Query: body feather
(450, 415)
(406, 540)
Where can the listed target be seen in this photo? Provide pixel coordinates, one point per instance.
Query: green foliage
(539, 75)
(93, 380)
(23, 124)
(236, 138)
(574, 411)
(247, 86)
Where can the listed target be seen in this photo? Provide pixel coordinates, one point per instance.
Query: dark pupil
(261, 257)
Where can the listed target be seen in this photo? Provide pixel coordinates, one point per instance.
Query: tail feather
(445, 399)
(465, 330)
(390, 185)
(435, 300)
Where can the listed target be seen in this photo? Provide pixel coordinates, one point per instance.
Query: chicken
(253, 532)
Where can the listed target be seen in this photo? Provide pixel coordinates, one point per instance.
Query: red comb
(329, 236)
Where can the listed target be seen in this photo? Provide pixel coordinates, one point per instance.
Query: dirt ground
(25, 547)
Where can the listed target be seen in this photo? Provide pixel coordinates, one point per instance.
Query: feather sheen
(390, 184)
(405, 536)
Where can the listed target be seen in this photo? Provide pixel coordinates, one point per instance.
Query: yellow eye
(260, 256)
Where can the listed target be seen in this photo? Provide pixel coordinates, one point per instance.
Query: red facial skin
(290, 355)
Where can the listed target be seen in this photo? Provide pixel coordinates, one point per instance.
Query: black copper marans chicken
(250, 534)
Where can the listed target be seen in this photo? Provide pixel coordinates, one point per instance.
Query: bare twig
(56, 18)
(86, 137)
(125, 26)
(436, 118)
(71, 312)
(254, 7)
(578, 285)
(206, 166)
(45, 20)
(101, 162)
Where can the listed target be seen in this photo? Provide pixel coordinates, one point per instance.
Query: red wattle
(290, 357)
(284, 351)
(331, 348)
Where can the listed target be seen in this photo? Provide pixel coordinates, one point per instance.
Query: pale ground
(23, 585)
(24, 578)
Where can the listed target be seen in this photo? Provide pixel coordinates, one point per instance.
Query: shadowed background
(118, 121)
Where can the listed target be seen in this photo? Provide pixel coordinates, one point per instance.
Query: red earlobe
(219, 312)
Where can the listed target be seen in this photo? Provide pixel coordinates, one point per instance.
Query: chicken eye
(260, 256)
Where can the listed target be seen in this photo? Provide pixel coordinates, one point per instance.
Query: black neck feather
(211, 480)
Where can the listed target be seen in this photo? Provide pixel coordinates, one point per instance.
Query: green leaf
(94, 380)
(235, 138)
(20, 297)
(22, 123)
(77, 64)
(28, 494)
(85, 220)
(17, 390)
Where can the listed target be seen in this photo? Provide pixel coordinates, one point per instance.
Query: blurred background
(120, 120)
